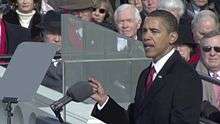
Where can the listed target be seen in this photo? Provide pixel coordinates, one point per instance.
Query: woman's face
(25, 6)
(99, 13)
(201, 3)
(184, 51)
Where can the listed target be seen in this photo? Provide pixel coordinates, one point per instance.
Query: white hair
(204, 15)
(172, 5)
(125, 7)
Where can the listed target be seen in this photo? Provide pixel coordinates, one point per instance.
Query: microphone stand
(57, 111)
(9, 101)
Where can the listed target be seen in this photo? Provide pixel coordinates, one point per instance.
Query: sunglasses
(209, 48)
(102, 11)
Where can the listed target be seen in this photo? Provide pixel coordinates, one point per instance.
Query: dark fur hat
(51, 22)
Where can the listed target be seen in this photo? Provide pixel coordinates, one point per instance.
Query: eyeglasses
(209, 48)
(102, 11)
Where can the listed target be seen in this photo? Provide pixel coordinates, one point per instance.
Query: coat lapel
(208, 93)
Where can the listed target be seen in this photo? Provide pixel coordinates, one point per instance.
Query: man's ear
(173, 37)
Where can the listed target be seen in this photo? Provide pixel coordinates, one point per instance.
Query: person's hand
(99, 94)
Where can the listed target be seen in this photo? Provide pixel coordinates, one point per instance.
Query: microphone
(78, 92)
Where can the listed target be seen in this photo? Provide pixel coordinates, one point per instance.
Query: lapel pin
(159, 76)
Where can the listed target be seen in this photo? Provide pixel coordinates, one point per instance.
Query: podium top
(26, 70)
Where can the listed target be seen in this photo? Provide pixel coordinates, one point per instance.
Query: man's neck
(162, 55)
(160, 63)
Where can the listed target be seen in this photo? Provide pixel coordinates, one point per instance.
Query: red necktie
(149, 81)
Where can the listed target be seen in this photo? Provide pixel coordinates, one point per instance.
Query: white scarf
(25, 18)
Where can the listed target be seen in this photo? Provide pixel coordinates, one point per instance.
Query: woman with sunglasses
(102, 14)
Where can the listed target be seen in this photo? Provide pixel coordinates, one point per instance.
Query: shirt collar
(212, 74)
(135, 37)
(55, 61)
(196, 9)
(160, 63)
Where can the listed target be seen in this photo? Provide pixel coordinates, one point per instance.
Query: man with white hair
(176, 7)
(204, 22)
(127, 20)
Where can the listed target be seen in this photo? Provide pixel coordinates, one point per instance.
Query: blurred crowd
(24, 17)
(198, 41)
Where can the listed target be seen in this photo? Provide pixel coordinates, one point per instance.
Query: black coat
(13, 18)
(175, 98)
(53, 77)
(17, 34)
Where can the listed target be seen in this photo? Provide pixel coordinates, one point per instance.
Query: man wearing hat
(80, 8)
(51, 30)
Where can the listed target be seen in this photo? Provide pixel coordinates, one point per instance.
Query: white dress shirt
(161, 62)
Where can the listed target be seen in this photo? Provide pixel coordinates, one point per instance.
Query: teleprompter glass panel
(90, 50)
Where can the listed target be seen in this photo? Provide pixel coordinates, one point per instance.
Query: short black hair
(169, 19)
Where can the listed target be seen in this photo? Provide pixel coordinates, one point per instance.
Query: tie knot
(151, 73)
(152, 70)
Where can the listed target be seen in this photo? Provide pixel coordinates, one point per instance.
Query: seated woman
(102, 14)
(185, 44)
(22, 19)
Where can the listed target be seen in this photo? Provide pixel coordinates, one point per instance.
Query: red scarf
(194, 59)
(3, 43)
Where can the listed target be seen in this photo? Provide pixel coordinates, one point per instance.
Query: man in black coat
(171, 94)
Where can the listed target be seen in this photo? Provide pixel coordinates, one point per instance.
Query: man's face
(85, 14)
(53, 38)
(156, 39)
(25, 6)
(200, 3)
(127, 23)
(137, 4)
(202, 28)
(150, 5)
(211, 58)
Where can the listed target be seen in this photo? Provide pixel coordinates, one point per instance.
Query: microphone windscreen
(80, 91)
